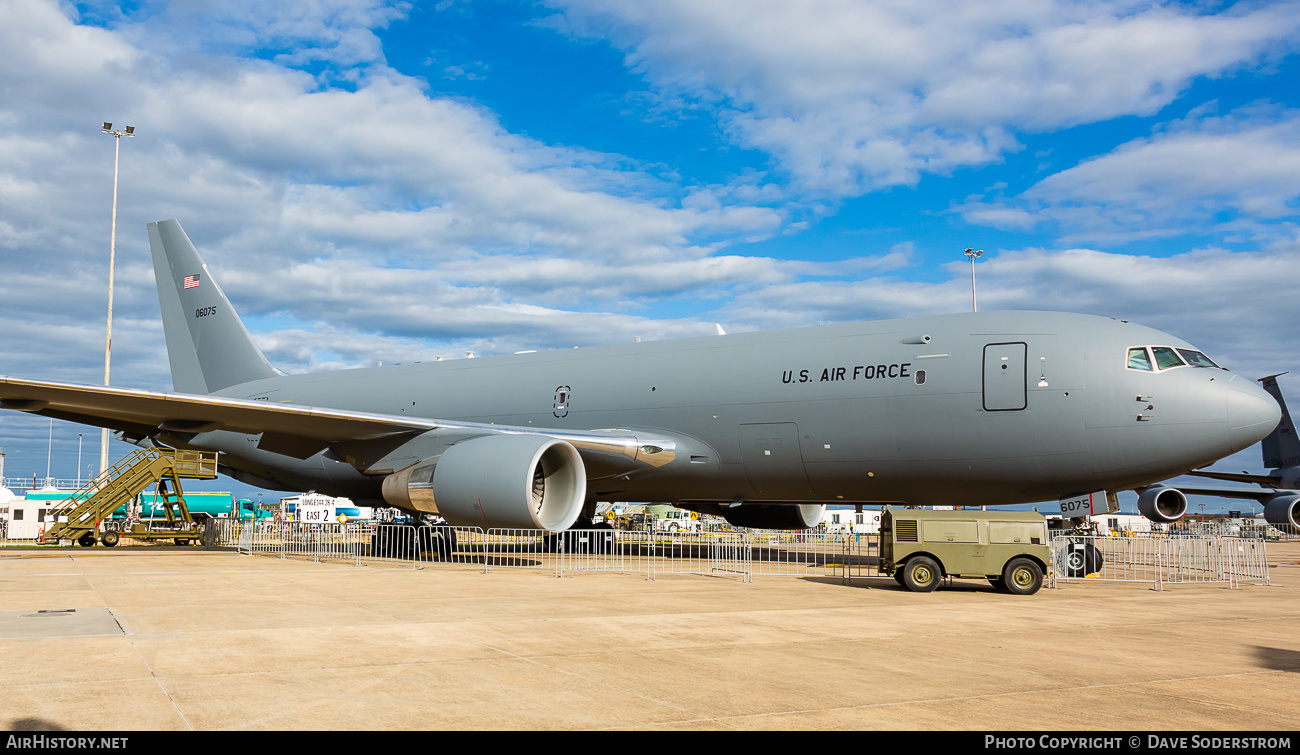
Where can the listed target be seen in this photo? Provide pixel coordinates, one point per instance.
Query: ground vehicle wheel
(1080, 562)
(898, 576)
(1022, 577)
(87, 540)
(998, 583)
(182, 541)
(921, 574)
(109, 539)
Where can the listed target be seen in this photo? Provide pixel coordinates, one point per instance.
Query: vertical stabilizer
(1281, 447)
(207, 345)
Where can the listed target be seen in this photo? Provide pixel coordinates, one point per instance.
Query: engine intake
(507, 481)
(1283, 510)
(1162, 504)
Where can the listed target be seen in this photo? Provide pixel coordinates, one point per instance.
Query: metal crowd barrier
(815, 553)
(517, 549)
(356, 542)
(742, 554)
(707, 553)
(1160, 561)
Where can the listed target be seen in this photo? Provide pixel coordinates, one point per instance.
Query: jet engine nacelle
(507, 481)
(775, 516)
(1283, 509)
(1162, 504)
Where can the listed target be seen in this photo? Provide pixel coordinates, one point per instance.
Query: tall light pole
(112, 255)
(972, 254)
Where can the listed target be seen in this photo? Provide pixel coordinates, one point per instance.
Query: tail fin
(208, 346)
(1281, 447)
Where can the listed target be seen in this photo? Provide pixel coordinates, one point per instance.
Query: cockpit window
(1166, 357)
(1138, 359)
(1196, 358)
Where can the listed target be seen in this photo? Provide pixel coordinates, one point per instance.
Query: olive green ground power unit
(1008, 548)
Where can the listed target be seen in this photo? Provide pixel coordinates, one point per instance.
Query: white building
(840, 520)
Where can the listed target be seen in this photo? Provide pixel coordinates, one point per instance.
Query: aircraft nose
(1252, 413)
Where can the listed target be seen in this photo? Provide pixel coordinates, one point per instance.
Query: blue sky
(393, 181)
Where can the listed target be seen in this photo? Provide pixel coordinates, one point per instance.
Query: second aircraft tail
(1281, 447)
(207, 344)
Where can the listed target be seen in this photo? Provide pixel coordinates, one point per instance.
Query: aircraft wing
(1257, 479)
(289, 429)
(144, 413)
(1227, 491)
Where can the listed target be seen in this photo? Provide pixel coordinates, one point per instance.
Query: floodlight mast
(972, 254)
(112, 256)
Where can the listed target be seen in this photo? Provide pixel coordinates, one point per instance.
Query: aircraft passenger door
(1004, 377)
(773, 461)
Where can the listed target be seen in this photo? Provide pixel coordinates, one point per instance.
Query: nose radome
(1252, 413)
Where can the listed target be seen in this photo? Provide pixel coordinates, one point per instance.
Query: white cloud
(850, 96)
(1239, 172)
(294, 32)
(348, 226)
(354, 218)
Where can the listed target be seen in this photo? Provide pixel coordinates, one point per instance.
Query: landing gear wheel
(437, 540)
(87, 540)
(444, 542)
(1022, 577)
(921, 574)
(109, 539)
(1081, 561)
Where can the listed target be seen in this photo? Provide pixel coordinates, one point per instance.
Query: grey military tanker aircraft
(761, 428)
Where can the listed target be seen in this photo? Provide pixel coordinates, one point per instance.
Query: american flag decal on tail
(191, 281)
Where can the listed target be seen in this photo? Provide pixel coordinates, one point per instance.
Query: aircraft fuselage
(986, 408)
